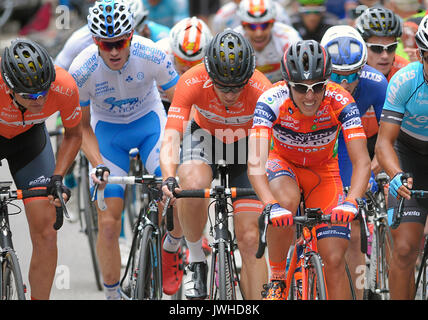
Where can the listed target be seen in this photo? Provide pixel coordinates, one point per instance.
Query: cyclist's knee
(109, 229)
(248, 240)
(405, 254)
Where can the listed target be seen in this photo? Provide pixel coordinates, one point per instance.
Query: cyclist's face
(308, 102)
(259, 35)
(115, 57)
(228, 99)
(381, 61)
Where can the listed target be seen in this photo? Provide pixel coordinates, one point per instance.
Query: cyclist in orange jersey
(303, 117)
(223, 92)
(32, 89)
(380, 29)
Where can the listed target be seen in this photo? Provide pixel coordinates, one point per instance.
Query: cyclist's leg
(323, 189)
(254, 272)
(39, 165)
(356, 260)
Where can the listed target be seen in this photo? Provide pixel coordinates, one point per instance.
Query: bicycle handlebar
(396, 219)
(213, 192)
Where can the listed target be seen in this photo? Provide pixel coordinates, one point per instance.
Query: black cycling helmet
(379, 21)
(305, 60)
(26, 67)
(230, 59)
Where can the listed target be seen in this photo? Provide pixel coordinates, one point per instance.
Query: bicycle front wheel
(12, 284)
(316, 287)
(149, 278)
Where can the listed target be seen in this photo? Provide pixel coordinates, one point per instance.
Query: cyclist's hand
(345, 212)
(397, 187)
(51, 190)
(170, 185)
(100, 175)
(279, 216)
(372, 186)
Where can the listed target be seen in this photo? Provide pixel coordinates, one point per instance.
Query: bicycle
(377, 269)
(305, 279)
(224, 244)
(88, 216)
(142, 278)
(421, 278)
(12, 286)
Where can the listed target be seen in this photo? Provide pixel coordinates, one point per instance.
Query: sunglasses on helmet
(110, 45)
(255, 26)
(304, 88)
(33, 96)
(379, 48)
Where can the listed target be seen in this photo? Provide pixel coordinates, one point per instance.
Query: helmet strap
(20, 107)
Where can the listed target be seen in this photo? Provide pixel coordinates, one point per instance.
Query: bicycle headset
(110, 19)
(380, 22)
(305, 60)
(230, 59)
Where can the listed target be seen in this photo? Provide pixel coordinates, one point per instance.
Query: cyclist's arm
(67, 152)
(388, 159)
(357, 150)
(258, 151)
(170, 152)
(90, 143)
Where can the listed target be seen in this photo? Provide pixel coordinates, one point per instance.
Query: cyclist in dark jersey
(32, 89)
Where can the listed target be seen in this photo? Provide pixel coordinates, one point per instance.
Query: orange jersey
(302, 140)
(399, 62)
(63, 96)
(195, 88)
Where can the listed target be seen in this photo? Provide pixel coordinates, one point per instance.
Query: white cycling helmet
(189, 39)
(110, 19)
(137, 8)
(421, 36)
(346, 47)
(256, 11)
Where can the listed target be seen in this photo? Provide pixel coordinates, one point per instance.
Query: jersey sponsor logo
(240, 120)
(371, 76)
(42, 180)
(264, 111)
(398, 81)
(337, 96)
(60, 89)
(350, 111)
(152, 54)
(123, 105)
(82, 74)
(194, 80)
(75, 113)
(102, 88)
(305, 139)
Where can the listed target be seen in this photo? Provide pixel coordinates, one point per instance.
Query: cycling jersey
(195, 88)
(405, 105)
(130, 93)
(399, 62)
(304, 140)
(226, 17)
(82, 38)
(369, 94)
(63, 96)
(167, 12)
(268, 61)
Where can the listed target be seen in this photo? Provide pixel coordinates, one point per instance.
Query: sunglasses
(255, 26)
(339, 78)
(119, 45)
(186, 63)
(229, 89)
(312, 10)
(33, 96)
(304, 88)
(379, 48)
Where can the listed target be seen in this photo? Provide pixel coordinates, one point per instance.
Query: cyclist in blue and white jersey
(167, 12)
(82, 37)
(402, 146)
(348, 52)
(121, 109)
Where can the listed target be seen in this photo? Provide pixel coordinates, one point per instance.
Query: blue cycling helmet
(346, 47)
(110, 19)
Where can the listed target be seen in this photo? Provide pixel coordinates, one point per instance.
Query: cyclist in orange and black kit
(223, 92)
(303, 117)
(31, 90)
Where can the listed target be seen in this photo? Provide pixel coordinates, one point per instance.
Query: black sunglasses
(234, 89)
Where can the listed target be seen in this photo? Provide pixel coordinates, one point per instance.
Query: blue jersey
(157, 31)
(370, 91)
(168, 12)
(406, 105)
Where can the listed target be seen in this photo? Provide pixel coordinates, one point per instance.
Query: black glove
(54, 184)
(171, 183)
(99, 171)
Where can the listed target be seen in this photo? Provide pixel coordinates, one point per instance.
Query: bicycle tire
(226, 277)
(149, 278)
(12, 283)
(91, 221)
(315, 278)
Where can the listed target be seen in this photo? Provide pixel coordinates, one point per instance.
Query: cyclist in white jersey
(121, 110)
(269, 37)
(227, 17)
